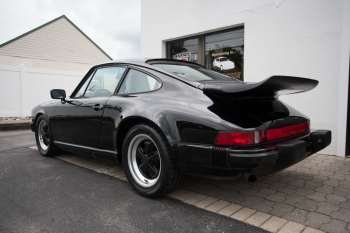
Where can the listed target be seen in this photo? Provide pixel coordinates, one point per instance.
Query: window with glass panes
(221, 51)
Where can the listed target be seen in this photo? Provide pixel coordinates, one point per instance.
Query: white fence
(22, 88)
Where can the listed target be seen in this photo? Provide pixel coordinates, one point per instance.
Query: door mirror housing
(58, 94)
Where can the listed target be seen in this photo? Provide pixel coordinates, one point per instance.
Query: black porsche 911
(162, 118)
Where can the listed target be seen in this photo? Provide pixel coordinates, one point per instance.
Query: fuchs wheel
(144, 160)
(148, 162)
(43, 137)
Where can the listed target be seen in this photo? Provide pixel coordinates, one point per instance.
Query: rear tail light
(255, 137)
(286, 131)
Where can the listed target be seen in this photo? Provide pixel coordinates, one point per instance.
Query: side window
(136, 82)
(103, 83)
(81, 91)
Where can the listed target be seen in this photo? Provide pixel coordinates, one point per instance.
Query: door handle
(97, 107)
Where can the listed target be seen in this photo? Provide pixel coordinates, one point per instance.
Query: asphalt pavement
(10, 140)
(41, 194)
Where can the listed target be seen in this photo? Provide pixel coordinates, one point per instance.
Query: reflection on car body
(162, 118)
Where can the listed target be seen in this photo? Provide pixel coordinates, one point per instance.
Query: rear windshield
(193, 73)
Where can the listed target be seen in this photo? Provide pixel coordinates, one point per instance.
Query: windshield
(193, 73)
(224, 59)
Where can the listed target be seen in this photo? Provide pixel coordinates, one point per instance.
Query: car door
(135, 83)
(77, 120)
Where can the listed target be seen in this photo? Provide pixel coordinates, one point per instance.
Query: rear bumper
(226, 161)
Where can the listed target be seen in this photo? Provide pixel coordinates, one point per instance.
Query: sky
(114, 25)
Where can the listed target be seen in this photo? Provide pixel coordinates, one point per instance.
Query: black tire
(44, 138)
(141, 147)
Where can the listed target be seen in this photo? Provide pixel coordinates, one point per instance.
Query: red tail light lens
(235, 138)
(287, 131)
(256, 137)
(241, 138)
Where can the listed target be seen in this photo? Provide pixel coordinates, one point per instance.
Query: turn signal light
(255, 137)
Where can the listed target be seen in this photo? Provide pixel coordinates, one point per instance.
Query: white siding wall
(297, 38)
(58, 41)
(46, 64)
(10, 91)
(22, 87)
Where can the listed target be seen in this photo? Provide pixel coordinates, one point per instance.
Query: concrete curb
(14, 125)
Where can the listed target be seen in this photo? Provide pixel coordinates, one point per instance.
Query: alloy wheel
(44, 135)
(144, 160)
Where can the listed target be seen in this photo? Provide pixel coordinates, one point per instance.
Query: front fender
(47, 109)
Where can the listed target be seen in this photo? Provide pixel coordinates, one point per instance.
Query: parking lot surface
(314, 192)
(10, 140)
(41, 194)
(312, 196)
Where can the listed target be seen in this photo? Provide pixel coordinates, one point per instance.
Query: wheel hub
(145, 160)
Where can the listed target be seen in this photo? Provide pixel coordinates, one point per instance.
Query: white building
(263, 38)
(54, 55)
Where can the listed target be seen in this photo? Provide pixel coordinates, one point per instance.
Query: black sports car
(162, 118)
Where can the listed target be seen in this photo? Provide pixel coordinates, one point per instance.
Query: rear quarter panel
(182, 112)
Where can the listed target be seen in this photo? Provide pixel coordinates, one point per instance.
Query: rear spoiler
(270, 87)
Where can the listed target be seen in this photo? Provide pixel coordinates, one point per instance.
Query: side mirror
(58, 94)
